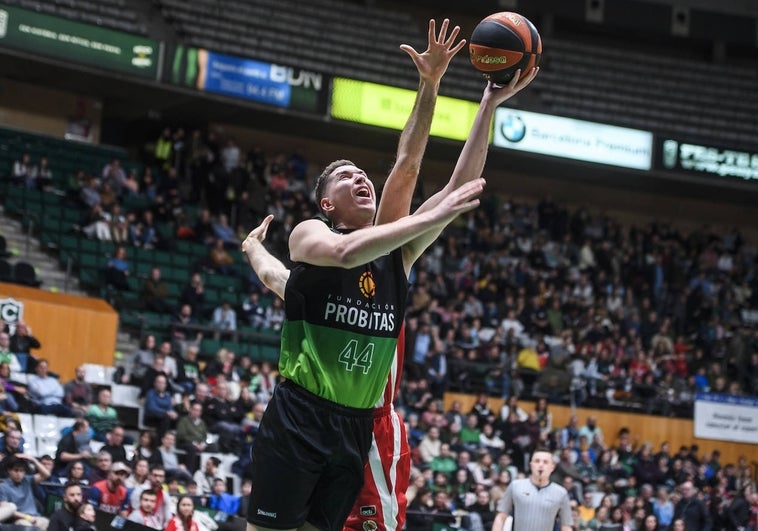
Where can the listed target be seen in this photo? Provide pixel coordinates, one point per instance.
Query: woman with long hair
(182, 520)
(146, 446)
(138, 477)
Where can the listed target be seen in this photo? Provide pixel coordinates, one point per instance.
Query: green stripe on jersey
(349, 368)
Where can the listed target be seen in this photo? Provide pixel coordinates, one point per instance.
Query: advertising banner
(726, 417)
(706, 160)
(78, 43)
(268, 83)
(385, 106)
(573, 139)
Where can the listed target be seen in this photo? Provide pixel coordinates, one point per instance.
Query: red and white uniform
(381, 504)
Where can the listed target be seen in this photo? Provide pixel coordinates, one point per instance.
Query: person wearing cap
(18, 490)
(109, 494)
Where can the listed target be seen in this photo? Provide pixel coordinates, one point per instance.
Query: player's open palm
(433, 62)
(461, 200)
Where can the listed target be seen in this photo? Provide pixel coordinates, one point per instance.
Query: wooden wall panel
(71, 329)
(676, 431)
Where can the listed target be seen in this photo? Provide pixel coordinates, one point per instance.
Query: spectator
(183, 330)
(146, 445)
(139, 476)
(109, 495)
(155, 293)
(145, 513)
(114, 444)
(7, 355)
(189, 369)
(430, 446)
(205, 477)
(64, 518)
(142, 360)
(167, 456)
(194, 295)
(118, 224)
(191, 434)
(89, 193)
(85, 520)
(222, 231)
(76, 473)
(220, 259)
(103, 463)
(224, 318)
(254, 311)
(46, 392)
(19, 491)
(102, 416)
(114, 175)
(77, 393)
(10, 393)
(183, 519)
(159, 408)
(11, 444)
(691, 510)
(222, 501)
(74, 446)
(275, 315)
(162, 503)
(23, 342)
(117, 271)
(223, 417)
(23, 171)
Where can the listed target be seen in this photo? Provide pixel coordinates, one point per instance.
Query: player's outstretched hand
(433, 62)
(462, 199)
(500, 93)
(258, 233)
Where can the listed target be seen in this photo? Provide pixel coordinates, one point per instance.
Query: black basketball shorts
(308, 460)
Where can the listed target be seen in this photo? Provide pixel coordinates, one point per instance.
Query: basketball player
(352, 186)
(535, 501)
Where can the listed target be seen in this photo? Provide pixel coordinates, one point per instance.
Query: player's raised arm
(432, 65)
(269, 269)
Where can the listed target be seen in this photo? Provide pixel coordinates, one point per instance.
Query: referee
(534, 502)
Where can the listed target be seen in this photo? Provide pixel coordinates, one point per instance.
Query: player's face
(349, 188)
(541, 465)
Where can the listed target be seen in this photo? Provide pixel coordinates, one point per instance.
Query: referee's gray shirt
(535, 508)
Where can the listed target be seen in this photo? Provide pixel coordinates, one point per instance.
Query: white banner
(726, 418)
(573, 139)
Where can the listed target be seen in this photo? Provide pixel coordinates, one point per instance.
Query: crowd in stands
(515, 300)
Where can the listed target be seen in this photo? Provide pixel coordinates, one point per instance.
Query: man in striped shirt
(534, 502)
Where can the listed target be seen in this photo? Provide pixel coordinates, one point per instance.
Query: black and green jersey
(341, 328)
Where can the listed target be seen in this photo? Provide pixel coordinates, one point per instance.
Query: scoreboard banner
(385, 106)
(706, 160)
(726, 417)
(249, 79)
(573, 139)
(76, 42)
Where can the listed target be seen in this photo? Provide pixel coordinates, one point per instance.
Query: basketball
(502, 43)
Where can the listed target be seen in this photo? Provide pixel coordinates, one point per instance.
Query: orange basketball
(502, 43)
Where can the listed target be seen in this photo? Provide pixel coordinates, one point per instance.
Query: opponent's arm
(269, 269)
(431, 65)
(312, 242)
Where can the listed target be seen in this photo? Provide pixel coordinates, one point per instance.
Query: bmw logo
(513, 128)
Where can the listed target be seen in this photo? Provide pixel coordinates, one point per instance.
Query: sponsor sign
(726, 418)
(239, 77)
(706, 160)
(573, 139)
(385, 106)
(11, 312)
(78, 43)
